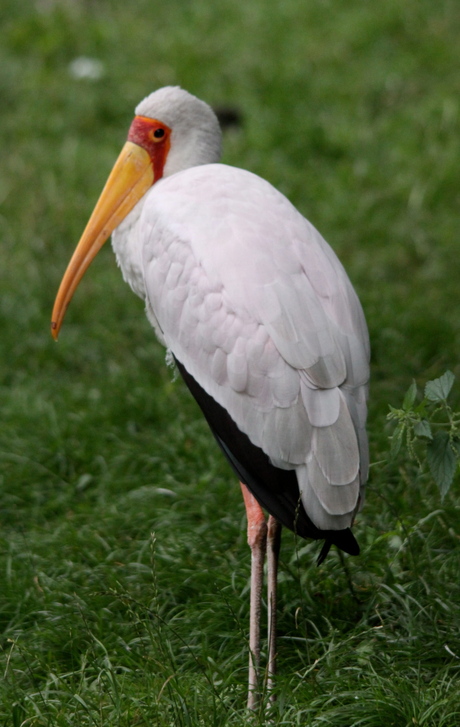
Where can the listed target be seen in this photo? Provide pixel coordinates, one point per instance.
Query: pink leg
(273, 550)
(257, 537)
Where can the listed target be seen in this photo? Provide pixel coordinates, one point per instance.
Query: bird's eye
(158, 134)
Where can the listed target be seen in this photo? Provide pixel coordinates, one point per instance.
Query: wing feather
(258, 309)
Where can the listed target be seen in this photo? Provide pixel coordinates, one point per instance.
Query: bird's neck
(127, 249)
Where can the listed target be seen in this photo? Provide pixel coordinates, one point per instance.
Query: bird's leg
(273, 550)
(257, 538)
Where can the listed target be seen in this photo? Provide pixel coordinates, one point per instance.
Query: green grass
(123, 563)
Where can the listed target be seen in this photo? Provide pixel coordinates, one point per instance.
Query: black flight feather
(275, 489)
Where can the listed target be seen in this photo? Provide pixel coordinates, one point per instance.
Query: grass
(123, 564)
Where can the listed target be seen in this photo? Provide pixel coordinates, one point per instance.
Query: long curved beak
(129, 180)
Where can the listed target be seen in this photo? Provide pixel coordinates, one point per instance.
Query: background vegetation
(123, 563)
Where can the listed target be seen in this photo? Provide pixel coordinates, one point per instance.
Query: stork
(261, 320)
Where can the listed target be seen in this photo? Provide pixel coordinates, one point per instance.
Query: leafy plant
(430, 430)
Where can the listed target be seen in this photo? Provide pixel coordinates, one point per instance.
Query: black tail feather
(343, 539)
(275, 489)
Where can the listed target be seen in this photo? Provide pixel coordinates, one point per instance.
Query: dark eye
(159, 133)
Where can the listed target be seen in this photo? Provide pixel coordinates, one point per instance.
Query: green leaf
(18, 714)
(438, 389)
(441, 461)
(409, 398)
(422, 430)
(393, 413)
(396, 439)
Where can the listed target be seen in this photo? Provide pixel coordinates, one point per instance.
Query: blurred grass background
(123, 563)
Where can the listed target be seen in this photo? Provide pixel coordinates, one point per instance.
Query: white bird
(261, 319)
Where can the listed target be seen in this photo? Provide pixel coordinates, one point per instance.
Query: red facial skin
(142, 132)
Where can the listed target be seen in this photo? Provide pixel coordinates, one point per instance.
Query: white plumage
(261, 319)
(256, 306)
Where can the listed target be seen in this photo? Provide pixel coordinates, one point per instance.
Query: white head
(196, 137)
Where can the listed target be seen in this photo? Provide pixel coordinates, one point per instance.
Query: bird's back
(260, 313)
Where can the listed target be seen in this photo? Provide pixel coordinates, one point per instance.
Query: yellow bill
(129, 180)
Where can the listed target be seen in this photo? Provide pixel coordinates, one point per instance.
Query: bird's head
(171, 131)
